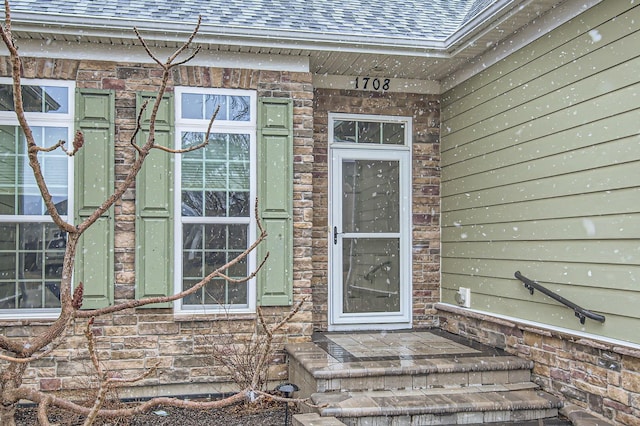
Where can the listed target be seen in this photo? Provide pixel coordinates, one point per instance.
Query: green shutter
(94, 182)
(154, 206)
(275, 200)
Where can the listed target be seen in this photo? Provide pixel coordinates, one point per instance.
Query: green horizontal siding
(539, 118)
(619, 227)
(603, 276)
(626, 302)
(617, 326)
(541, 174)
(576, 206)
(605, 167)
(530, 145)
(563, 46)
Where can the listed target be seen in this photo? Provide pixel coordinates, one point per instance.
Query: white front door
(370, 233)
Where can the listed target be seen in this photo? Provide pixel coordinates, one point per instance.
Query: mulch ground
(271, 414)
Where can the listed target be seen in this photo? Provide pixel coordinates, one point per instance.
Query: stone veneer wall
(425, 110)
(603, 378)
(134, 340)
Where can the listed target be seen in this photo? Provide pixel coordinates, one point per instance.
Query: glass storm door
(370, 239)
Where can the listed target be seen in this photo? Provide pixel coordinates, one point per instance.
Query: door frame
(337, 320)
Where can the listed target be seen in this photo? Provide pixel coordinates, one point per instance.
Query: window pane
(45, 99)
(10, 295)
(192, 299)
(239, 147)
(368, 132)
(202, 107)
(8, 169)
(216, 175)
(239, 108)
(214, 260)
(191, 203)
(56, 100)
(30, 203)
(237, 293)
(7, 266)
(371, 196)
(393, 133)
(216, 204)
(238, 237)
(372, 132)
(48, 99)
(214, 293)
(19, 193)
(239, 176)
(192, 139)
(6, 97)
(192, 106)
(192, 177)
(239, 204)
(212, 102)
(344, 131)
(31, 258)
(207, 248)
(222, 182)
(217, 147)
(32, 97)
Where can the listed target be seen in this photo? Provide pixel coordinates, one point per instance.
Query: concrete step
(578, 416)
(313, 370)
(414, 378)
(314, 419)
(437, 407)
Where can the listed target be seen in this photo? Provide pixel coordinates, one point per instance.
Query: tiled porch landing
(414, 378)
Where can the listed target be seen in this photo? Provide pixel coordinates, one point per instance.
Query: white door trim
(338, 320)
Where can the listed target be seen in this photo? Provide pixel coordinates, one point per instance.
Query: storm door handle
(335, 235)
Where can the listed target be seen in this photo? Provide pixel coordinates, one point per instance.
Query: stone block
(631, 381)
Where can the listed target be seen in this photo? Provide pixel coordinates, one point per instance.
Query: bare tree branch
(218, 273)
(41, 345)
(143, 407)
(43, 419)
(195, 147)
(32, 146)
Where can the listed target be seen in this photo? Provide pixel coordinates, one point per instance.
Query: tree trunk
(10, 380)
(7, 415)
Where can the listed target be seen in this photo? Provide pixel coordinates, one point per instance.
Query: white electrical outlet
(463, 297)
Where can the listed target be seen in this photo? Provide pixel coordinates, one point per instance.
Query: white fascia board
(479, 24)
(544, 25)
(137, 54)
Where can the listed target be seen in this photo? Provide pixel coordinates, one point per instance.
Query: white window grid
(36, 120)
(220, 126)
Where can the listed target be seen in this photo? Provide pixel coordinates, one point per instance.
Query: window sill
(223, 316)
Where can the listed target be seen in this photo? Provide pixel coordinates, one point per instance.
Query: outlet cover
(463, 297)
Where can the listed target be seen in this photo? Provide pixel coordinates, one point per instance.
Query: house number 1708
(375, 83)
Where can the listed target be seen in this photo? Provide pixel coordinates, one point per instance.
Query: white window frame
(39, 119)
(219, 126)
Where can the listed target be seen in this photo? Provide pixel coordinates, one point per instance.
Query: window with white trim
(31, 245)
(215, 193)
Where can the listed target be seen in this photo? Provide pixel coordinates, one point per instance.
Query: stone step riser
(434, 380)
(450, 406)
(468, 418)
(310, 384)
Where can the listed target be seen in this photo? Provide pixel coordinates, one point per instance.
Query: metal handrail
(580, 312)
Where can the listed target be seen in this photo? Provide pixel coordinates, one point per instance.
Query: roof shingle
(412, 19)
